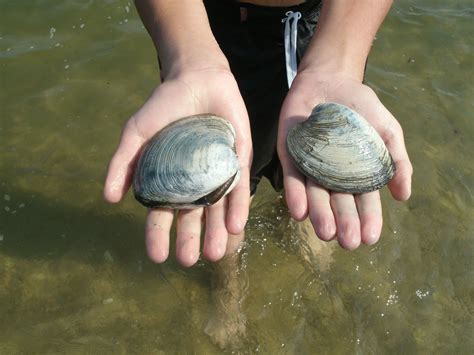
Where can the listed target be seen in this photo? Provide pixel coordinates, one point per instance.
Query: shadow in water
(36, 228)
(76, 279)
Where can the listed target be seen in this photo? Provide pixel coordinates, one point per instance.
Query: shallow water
(74, 276)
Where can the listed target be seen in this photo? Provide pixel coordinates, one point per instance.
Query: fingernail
(348, 241)
(325, 232)
(190, 260)
(371, 238)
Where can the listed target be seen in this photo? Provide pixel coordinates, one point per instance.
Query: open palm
(191, 93)
(351, 218)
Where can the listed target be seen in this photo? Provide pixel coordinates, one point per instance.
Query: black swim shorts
(252, 39)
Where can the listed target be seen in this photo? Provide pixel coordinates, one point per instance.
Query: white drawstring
(291, 32)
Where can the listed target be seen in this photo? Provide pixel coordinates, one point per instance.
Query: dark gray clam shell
(189, 163)
(339, 149)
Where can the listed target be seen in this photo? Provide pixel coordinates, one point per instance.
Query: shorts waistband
(232, 10)
(256, 11)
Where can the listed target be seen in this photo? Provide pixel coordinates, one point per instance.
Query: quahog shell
(339, 149)
(190, 163)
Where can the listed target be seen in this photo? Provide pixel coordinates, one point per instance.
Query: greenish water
(74, 277)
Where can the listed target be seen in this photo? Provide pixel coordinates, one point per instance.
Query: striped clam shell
(190, 163)
(339, 150)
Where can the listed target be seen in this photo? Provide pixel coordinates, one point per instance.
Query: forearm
(344, 36)
(182, 36)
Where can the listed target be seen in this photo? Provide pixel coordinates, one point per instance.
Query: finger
(320, 212)
(238, 199)
(400, 185)
(120, 170)
(294, 183)
(157, 234)
(239, 204)
(215, 240)
(293, 180)
(370, 215)
(347, 220)
(392, 134)
(295, 192)
(188, 231)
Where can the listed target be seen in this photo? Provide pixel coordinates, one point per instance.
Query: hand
(351, 218)
(203, 91)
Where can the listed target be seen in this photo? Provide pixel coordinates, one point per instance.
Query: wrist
(336, 55)
(342, 66)
(344, 36)
(325, 75)
(178, 64)
(324, 85)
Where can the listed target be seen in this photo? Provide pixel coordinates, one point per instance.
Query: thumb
(120, 169)
(293, 180)
(392, 134)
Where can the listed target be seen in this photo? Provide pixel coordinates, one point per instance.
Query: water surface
(74, 276)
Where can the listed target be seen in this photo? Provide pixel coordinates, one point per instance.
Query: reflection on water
(73, 272)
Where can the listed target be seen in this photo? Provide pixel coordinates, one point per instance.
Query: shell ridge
(185, 161)
(340, 150)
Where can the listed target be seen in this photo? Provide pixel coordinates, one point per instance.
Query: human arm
(332, 70)
(182, 36)
(197, 79)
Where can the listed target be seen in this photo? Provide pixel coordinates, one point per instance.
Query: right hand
(351, 219)
(201, 91)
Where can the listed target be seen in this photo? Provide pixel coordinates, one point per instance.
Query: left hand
(351, 219)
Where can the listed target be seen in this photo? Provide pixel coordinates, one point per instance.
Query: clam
(339, 150)
(189, 163)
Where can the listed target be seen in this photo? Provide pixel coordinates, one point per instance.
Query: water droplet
(420, 294)
(108, 257)
(108, 300)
